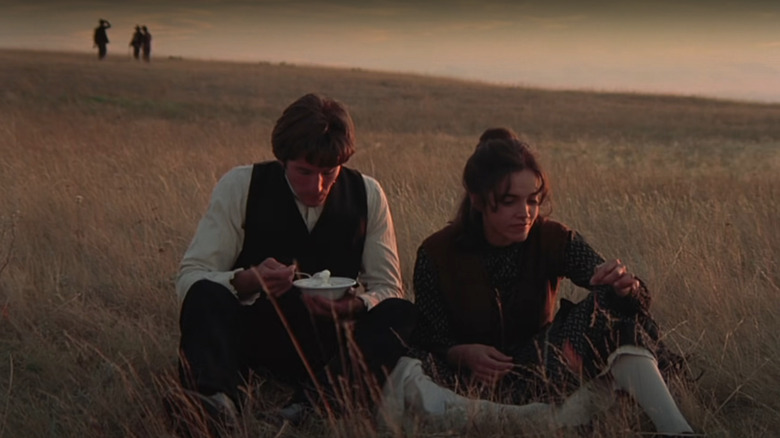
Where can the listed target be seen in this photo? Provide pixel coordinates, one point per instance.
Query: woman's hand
(346, 307)
(615, 274)
(486, 363)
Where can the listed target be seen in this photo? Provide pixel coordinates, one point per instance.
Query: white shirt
(219, 239)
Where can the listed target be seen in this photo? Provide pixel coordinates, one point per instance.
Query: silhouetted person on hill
(101, 37)
(137, 41)
(146, 43)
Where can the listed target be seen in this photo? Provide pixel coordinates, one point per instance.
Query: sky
(716, 48)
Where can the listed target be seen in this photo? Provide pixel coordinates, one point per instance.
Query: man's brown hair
(316, 128)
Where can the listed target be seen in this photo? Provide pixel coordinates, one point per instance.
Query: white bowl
(331, 288)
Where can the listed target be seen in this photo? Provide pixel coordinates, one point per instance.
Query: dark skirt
(577, 346)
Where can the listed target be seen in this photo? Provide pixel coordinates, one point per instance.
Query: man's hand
(615, 274)
(486, 363)
(346, 307)
(273, 277)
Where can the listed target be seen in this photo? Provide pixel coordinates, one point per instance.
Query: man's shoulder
(238, 172)
(370, 182)
(372, 185)
(235, 179)
(375, 195)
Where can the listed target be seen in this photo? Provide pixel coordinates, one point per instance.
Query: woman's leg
(639, 376)
(411, 400)
(591, 340)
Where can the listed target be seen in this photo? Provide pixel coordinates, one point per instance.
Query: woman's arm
(433, 329)
(579, 264)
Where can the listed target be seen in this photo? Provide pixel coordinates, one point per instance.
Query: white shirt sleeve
(381, 270)
(219, 236)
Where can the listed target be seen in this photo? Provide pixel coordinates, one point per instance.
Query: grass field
(105, 169)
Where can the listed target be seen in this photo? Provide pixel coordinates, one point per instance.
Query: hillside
(105, 169)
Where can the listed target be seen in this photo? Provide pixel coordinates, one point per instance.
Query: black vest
(273, 226)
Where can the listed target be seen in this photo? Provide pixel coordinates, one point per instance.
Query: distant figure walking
(137, 41)
(147, 43)
(101, 37)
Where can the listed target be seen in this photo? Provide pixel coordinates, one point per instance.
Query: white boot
(411, 400)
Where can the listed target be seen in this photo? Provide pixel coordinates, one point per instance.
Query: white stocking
(639, 376)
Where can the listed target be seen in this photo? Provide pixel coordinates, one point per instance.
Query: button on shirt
(219, 239)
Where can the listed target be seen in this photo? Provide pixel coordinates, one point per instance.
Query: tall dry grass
(105, 169)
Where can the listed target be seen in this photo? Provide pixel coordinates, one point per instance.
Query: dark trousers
(222, 340)
(102, 50)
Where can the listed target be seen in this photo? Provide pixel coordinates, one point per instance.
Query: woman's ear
(476, 202)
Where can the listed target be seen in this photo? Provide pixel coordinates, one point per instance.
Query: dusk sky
(714, 48)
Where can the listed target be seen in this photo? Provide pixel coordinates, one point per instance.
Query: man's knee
(395, 313)
(398, 309)
(207, 298)
(207, 292)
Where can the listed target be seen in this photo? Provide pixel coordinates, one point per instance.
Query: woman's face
(509, 219)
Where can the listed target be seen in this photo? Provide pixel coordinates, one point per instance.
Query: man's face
(311, 183)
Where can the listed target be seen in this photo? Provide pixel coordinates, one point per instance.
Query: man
(304, 212)
(146, 43)
(100, 38)
(136, 42)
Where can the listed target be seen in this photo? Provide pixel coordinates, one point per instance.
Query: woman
(486, 288)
